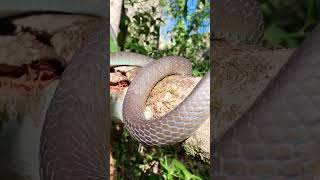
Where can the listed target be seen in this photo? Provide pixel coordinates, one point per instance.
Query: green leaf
(292, 43)
(137, 48)
(275, 34)
(113, 45)
(178, 165)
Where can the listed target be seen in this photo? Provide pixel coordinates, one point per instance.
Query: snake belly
(279, 137)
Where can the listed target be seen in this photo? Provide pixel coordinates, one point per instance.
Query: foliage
(113, 45)
(176, 169)
(141, 32)
(288, 22)
(134, 161)
(185, 37)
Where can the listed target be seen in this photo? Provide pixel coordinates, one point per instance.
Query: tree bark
(115, 14)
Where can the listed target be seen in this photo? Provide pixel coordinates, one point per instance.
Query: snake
(178, 124)
(278, 138)
(75, 133)
(75, 129)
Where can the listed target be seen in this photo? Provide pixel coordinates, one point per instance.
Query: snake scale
(279, 137)
(74, 140)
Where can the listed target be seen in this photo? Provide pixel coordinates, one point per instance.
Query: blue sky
(171, 22)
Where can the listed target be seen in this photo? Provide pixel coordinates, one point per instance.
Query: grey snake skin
(74, 141)
(178, 124)
(279, 138)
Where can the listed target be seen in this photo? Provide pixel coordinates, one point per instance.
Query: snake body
(75, 130)
(279, 137)
(175, 126)
(178, 124)
(74, 141)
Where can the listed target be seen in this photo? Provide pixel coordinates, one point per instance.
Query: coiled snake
(279, 137)
(74, 132)
(178, 124)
